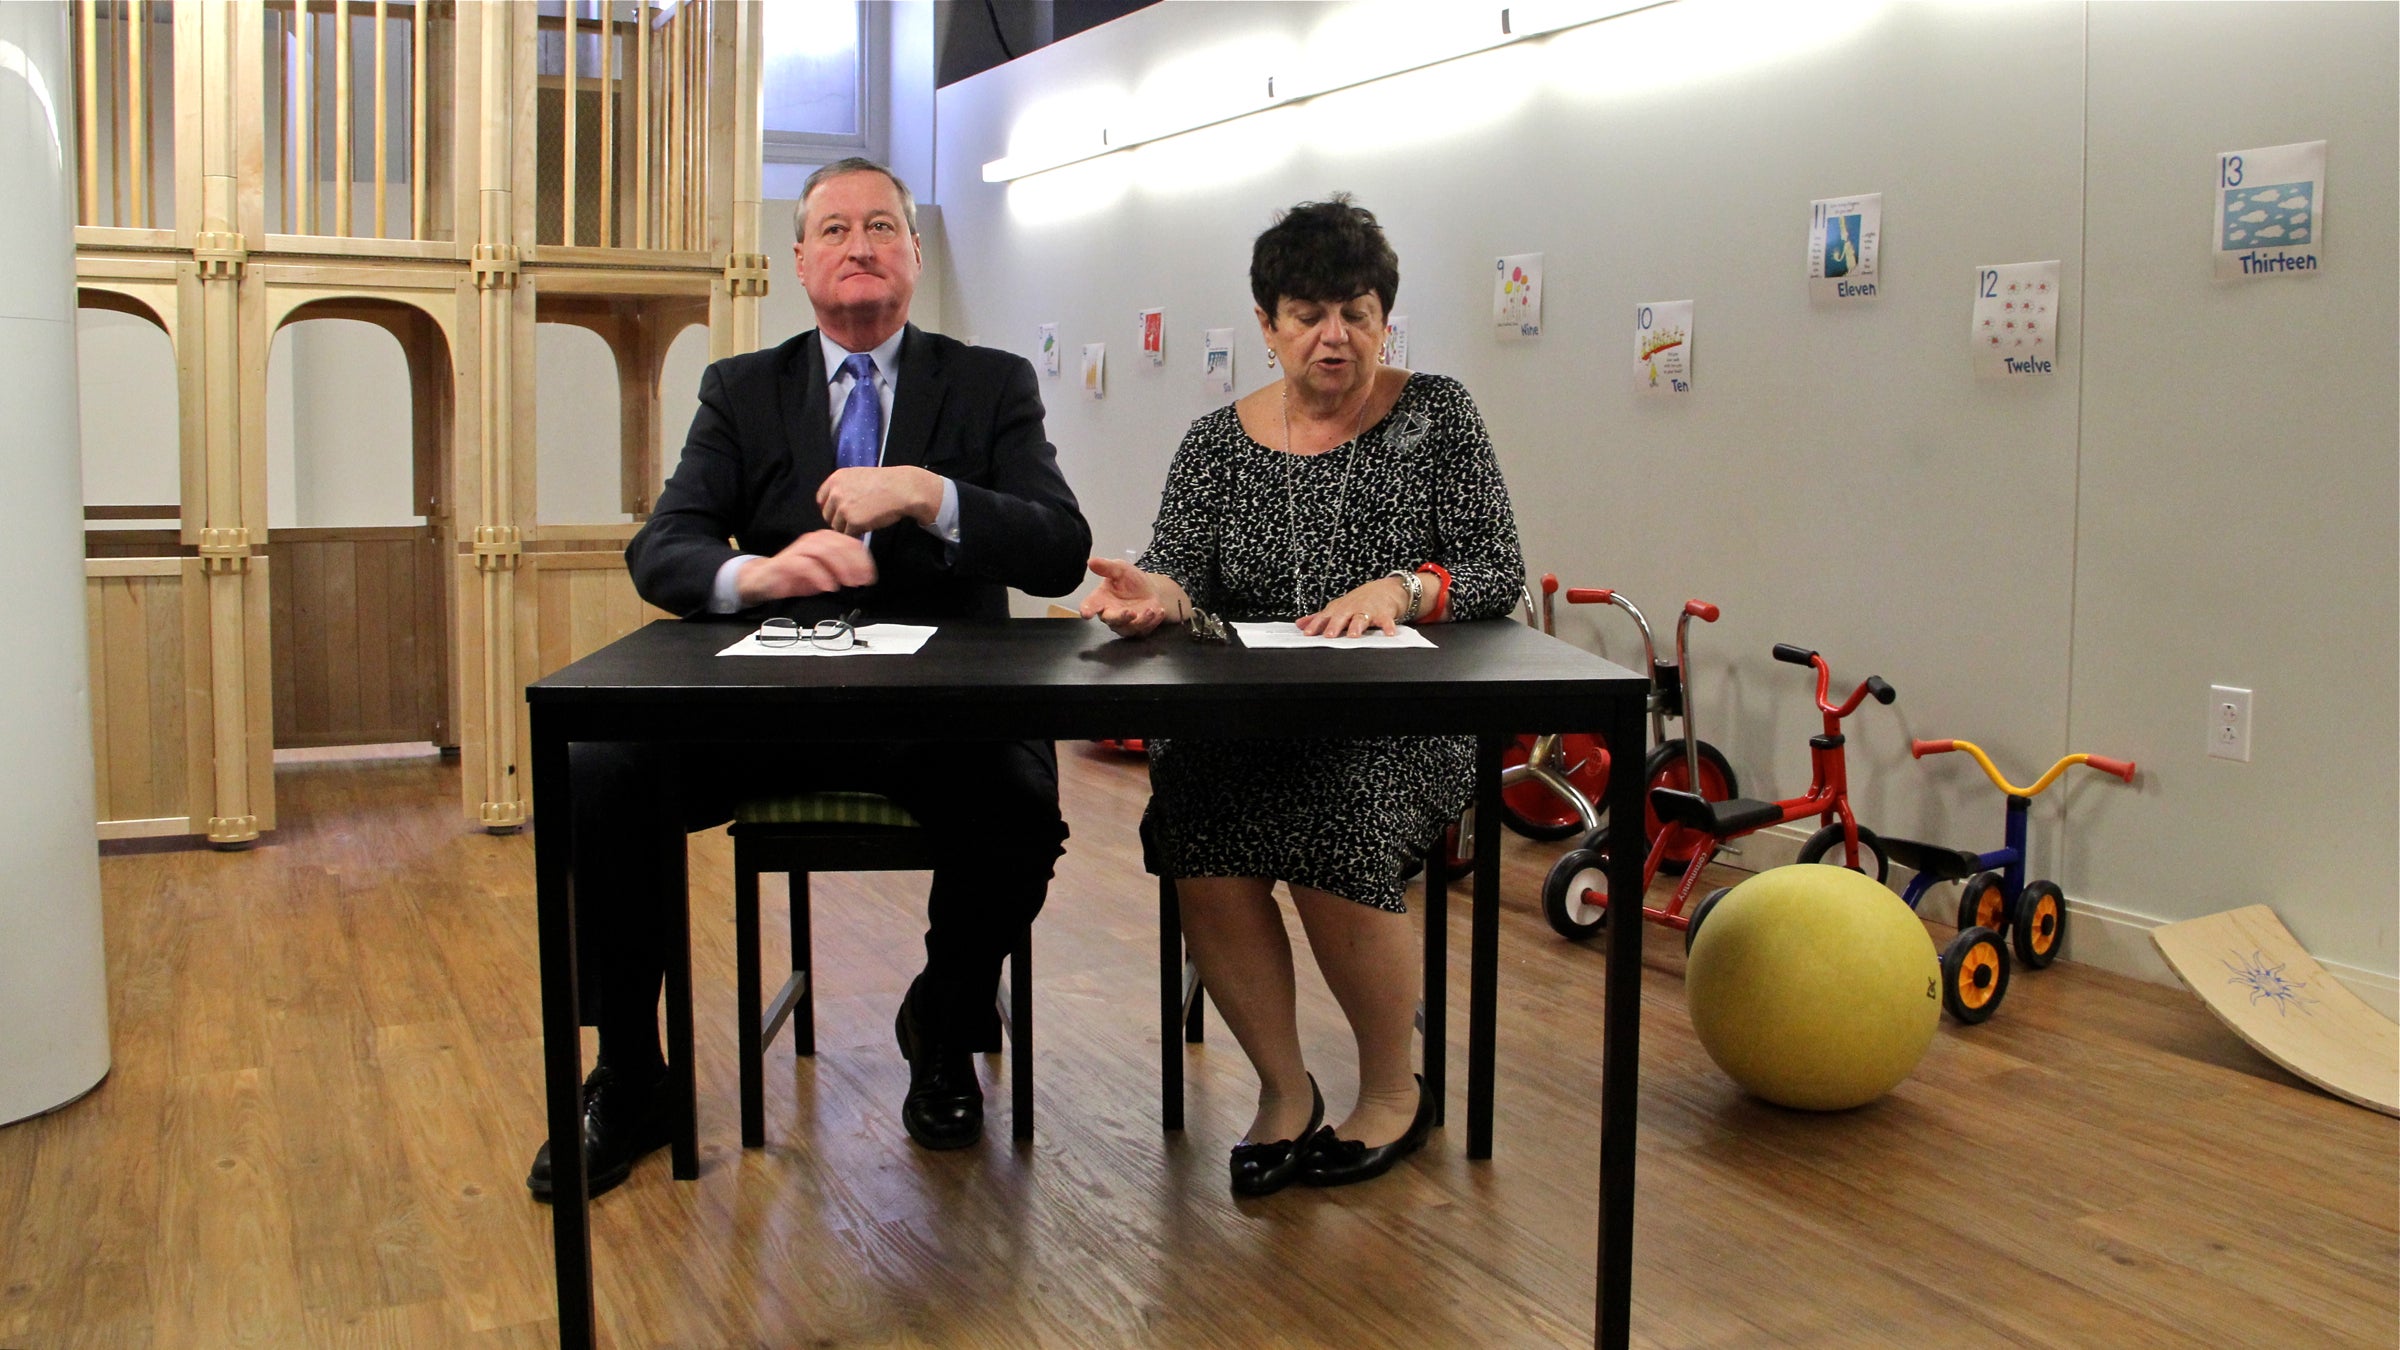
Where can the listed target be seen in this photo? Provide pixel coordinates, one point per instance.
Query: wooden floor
(326, 1088)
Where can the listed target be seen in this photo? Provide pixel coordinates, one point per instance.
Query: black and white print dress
(1255, 533)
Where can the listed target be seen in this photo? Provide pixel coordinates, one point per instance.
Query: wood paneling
(587, 602)
(146, 626)
(358, 637)
(327, 1086)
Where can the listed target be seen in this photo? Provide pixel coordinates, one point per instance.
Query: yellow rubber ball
(1813, 987)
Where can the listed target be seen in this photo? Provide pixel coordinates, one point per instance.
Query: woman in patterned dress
(1350, 497)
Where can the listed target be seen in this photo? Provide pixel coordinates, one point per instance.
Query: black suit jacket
(762, 443)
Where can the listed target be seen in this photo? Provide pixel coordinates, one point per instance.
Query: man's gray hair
(850, 165)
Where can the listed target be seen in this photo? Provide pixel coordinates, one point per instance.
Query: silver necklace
(1291, 495)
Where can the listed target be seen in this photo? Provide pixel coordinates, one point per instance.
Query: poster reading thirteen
(2270, 211)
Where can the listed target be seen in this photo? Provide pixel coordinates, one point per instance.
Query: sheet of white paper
(1662, 347)
(2014, 331)
(1845, 245)
(1268, 635)
(1517, 296)
(2270, 208)
(874, 639)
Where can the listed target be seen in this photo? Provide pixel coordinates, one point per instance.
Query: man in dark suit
(870, 466)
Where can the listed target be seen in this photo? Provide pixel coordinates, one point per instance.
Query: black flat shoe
(1263, 1169)
(623, 1121)
(1339, 1162)
(944, 1105)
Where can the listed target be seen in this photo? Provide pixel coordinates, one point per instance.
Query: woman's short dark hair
(1324, 251)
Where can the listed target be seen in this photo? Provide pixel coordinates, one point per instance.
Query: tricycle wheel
(2038, 924)
(1983, 903)
(1974, 975)
(1665, 768)
(1828, 841)
(1531, 809)
(1578, 878)
(1699, 912)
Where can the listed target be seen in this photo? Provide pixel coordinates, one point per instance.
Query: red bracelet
(1440, 609)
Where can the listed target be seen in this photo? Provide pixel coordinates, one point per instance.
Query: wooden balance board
(2245, 965)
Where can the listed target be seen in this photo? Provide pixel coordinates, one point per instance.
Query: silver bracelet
(1416, 592)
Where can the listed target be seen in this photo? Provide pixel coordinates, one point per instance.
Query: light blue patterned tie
(858, 443)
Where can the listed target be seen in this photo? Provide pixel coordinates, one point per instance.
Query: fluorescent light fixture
(1496, 26)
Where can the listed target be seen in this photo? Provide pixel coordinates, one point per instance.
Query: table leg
(1437, 979)
(1483, 956)
(1620, 1041)
(562, 1045)
(1020, 1049)
(683, 1075)
(1170, 1006)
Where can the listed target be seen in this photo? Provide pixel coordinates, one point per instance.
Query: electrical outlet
(2229, 723)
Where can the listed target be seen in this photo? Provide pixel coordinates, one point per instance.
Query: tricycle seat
(1718, 819)
(1946, 864)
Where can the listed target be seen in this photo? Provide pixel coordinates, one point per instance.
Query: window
(814, 82)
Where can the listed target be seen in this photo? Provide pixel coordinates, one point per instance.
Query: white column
(53, 971)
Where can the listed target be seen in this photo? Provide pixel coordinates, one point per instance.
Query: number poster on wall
(1216, 361)
(1152, 329)
(2015, 328)
(1517, 296)
(1845, 243)
(1050, 348)
(2270, 211)
(1662, 347)
(1095, 369)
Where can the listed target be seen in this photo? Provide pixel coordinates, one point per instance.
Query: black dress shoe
(1263, 1169)
(622, 1121)
(944, 1105)
(1336, 1161)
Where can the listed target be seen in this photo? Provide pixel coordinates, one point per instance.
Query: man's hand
(855, 501)
(814, 563)
(1128, 599)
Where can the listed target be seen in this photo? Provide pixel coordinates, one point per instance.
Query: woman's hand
(1129, 600)
(1378, 604)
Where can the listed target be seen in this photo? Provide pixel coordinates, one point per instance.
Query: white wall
(130, 455)
(2039, 566)
(53, 963)
(344, 389)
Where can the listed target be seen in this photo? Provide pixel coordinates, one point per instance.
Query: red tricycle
(1996, 899)
(1575, 896)
(1553, 785)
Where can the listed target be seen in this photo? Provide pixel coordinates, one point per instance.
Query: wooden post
(571, 25)
(418, 197)
(304, 93)
(137, 148)
(641, 124)
(88, 108)
(119, 170)
(746, 151)
(496, 542)
(225, 536)
(382, 113)
(608, 122)
(341, 118)
(670, 130)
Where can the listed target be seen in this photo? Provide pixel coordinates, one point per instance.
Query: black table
(1072, 680)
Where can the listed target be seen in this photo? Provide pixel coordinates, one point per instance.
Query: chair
(1180, 1008)
(838, 832)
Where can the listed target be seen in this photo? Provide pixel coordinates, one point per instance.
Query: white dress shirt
(725, 597)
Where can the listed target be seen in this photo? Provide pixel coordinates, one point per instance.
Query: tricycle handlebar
(1586, 595)
(2118, 768)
